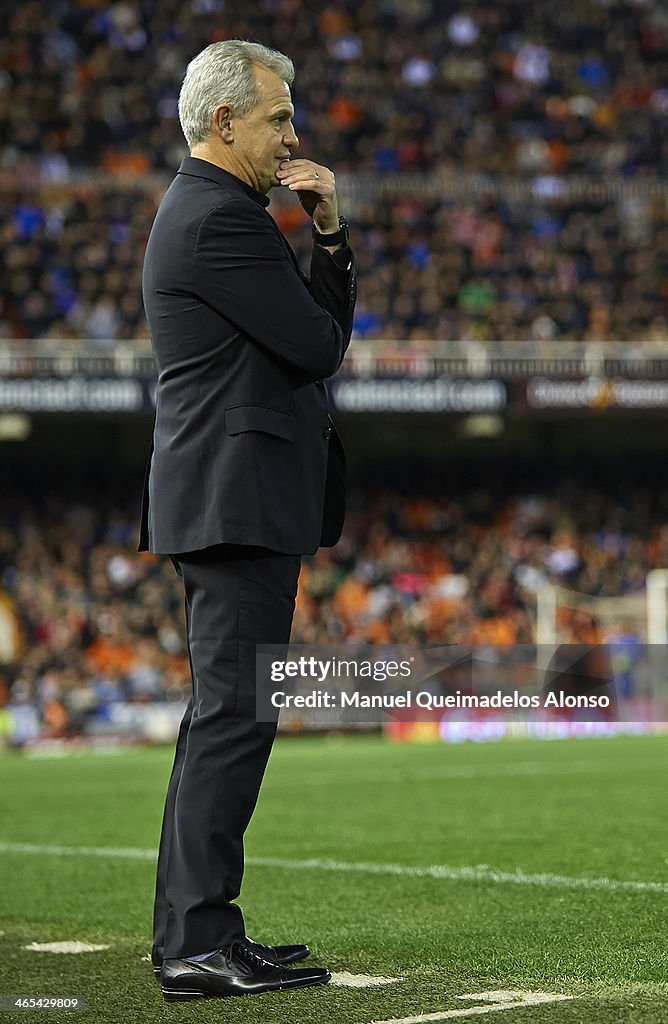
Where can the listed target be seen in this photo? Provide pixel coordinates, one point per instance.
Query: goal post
(657, 607)
(646, 611)
(633, 627)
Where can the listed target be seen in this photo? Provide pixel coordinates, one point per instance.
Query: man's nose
(291, 138)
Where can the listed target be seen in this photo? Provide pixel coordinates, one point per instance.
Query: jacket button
(327, 433)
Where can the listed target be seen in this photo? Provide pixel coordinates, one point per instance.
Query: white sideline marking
(347, 980)
(132, 853)
(464, 874)
(64, 947)
(469, 771)
(481, 873)
(498, 1000)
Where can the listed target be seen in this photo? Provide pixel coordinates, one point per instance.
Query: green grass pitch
(577, 809)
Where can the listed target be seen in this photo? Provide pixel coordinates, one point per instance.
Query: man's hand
(316, 188)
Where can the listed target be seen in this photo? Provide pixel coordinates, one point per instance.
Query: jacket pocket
(241, 418)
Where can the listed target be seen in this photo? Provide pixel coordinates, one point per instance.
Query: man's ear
(222, 118)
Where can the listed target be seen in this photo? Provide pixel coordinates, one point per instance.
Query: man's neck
(205, 151)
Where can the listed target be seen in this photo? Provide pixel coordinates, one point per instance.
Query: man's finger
(304, 170)
(314, 184)
(305, 186)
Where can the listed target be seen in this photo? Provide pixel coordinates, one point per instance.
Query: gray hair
(223, 73)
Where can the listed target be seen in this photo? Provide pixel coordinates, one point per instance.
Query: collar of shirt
(199, 168)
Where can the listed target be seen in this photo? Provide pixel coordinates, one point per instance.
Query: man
(245, 475)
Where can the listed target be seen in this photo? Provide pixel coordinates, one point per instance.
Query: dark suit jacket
(243, 448)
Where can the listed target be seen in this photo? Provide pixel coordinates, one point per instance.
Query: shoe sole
(173, 995)
(178, 995)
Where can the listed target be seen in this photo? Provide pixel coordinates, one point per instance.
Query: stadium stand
(504, 172)
(101, 624)
(573, 93)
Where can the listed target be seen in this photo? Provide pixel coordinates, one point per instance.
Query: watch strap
(339, 237)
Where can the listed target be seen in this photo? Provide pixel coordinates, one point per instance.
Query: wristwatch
(339, 237)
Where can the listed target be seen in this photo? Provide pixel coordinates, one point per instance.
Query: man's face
(265, 136)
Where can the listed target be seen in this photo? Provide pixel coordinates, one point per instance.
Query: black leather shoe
(279, 954)
(233, 971)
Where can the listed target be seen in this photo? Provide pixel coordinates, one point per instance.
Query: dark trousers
(235, 597)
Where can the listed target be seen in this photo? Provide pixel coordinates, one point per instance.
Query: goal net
(632, 630)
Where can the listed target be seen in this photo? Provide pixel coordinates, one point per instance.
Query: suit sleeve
(243, 271)
(333, 284)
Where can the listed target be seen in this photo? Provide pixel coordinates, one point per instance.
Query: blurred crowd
(446, 270)
(543, 95)
(578, 86)
(99, 625)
